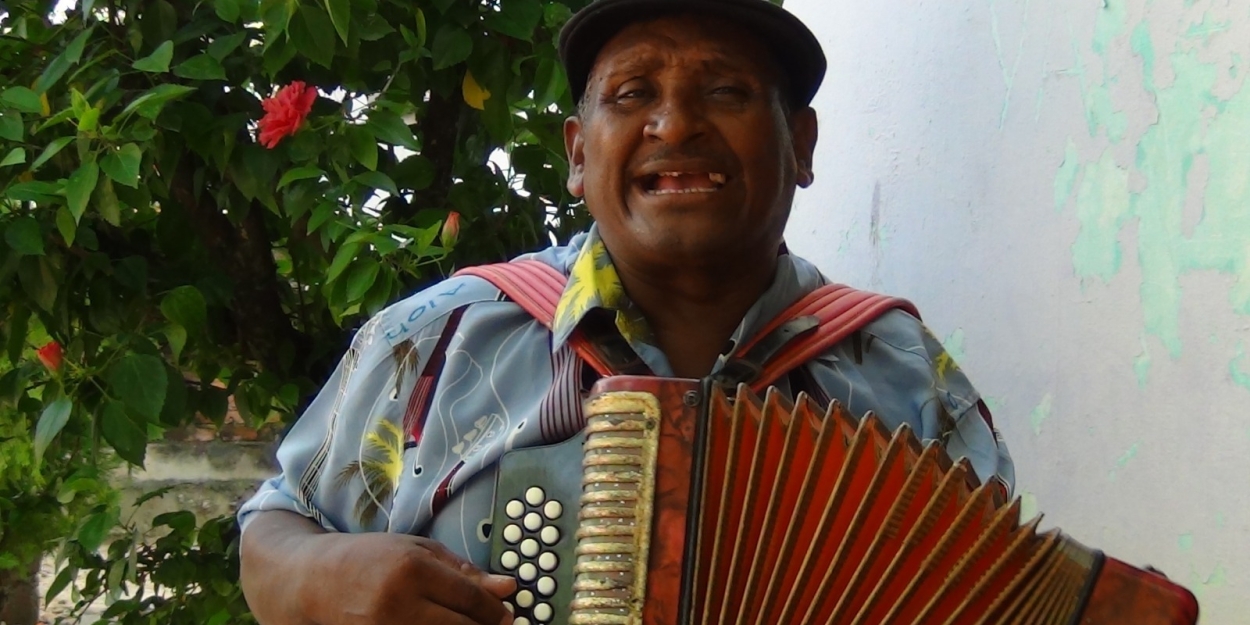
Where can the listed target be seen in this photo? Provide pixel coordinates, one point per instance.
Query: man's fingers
(462, 592)
(498, 585)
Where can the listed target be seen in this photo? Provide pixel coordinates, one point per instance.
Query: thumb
(500, 586)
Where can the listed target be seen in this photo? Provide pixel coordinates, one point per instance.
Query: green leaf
(452, 45)
(38, 281)
(389, 128)
(11, 126)
(377, 180)
(222, 47)
(201, 67)
(313, 34)
(22, 99)
(342, 260)
(51, 422)
(19, 319)
(149, 104)
(362, 275)
(323, 213)
(158, 61)
(139, 381)
(423, 31)
(34, 191)
(94, 529)
(126, 437)
(340, 14)
(185, 306)
(16, 156)
(549, 83)
(89, 120)
(66, 225)
(79, 187)
(516, 18)
(123, 165)
(106, 202)
(228, 10)
(363, 145)
(24, 236)
(177, 337)
(61, 64)
(300, 173)
(415, 172)
(53, 148)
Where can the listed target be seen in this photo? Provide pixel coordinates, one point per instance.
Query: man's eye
(730, 90)
(631, 94)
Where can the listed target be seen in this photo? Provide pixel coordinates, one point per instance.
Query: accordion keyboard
(535, 522)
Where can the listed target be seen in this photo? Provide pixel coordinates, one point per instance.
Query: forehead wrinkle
(709, 48)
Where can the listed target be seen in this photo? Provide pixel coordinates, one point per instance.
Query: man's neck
(694, 310)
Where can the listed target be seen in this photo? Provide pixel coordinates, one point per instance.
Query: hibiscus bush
(199, 201)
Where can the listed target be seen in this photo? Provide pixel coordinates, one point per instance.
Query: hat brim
(796, 48)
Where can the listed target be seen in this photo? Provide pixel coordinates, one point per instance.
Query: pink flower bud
(451, 229)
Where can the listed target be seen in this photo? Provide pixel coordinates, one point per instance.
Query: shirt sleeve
(342, 459)
(898, 369)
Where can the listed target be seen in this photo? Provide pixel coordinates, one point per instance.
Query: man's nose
(676, 120)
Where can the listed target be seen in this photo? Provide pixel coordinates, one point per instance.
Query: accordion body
(682, 505)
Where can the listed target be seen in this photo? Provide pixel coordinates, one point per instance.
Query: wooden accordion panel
(705, 511)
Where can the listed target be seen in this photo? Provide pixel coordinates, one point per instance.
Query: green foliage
(180, 263)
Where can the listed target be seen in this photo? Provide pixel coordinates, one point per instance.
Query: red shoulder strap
(838, 311)
(536, 287)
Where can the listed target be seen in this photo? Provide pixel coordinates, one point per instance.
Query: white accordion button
(529, 547)
(553, 510)
(521, 620)
(509, 607)
(548, 561)
(551, 535)
(542, 612)
(535, 496)
(547, 586)
(515, 509)
(512, 534)
(533, 521)
(524, 599)
(510, 560)
(527, 573)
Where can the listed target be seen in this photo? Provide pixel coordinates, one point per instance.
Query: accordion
(681, 505)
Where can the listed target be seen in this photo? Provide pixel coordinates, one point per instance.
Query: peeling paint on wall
(1192, 123)
(1041, 413)
(1123, 460)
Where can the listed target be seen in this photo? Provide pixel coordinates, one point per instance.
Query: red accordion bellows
(705, 511)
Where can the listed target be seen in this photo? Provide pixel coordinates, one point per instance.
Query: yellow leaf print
(474, 95)
(380, 466)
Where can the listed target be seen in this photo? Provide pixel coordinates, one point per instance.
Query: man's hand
(294, 573)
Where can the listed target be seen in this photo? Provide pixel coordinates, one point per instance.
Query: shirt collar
(594, 283)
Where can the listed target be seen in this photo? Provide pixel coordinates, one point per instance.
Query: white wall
(1063, 187)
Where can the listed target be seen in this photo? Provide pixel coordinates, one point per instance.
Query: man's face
(684, 150)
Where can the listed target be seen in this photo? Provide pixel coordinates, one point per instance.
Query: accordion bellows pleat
(788, 514)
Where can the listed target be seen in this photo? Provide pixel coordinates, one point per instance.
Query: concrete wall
(1063, 187)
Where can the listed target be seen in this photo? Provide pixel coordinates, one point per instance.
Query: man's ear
(573, 149)
(804, 131)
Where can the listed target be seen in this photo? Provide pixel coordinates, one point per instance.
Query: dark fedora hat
(796, 48)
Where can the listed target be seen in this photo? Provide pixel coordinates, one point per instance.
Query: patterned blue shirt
(385, 448)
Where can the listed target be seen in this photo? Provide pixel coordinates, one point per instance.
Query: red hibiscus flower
(50, 355)
(451, 229)
(285, 112)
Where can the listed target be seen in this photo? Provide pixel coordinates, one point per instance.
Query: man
(692, 135)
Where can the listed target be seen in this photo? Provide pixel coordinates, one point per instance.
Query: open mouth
(681, 182)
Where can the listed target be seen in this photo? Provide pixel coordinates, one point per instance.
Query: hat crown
(797, 49)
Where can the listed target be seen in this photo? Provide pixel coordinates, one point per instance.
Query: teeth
(717, 178)
(681, 191)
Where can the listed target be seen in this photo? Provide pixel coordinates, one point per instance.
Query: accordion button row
(552, 509)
